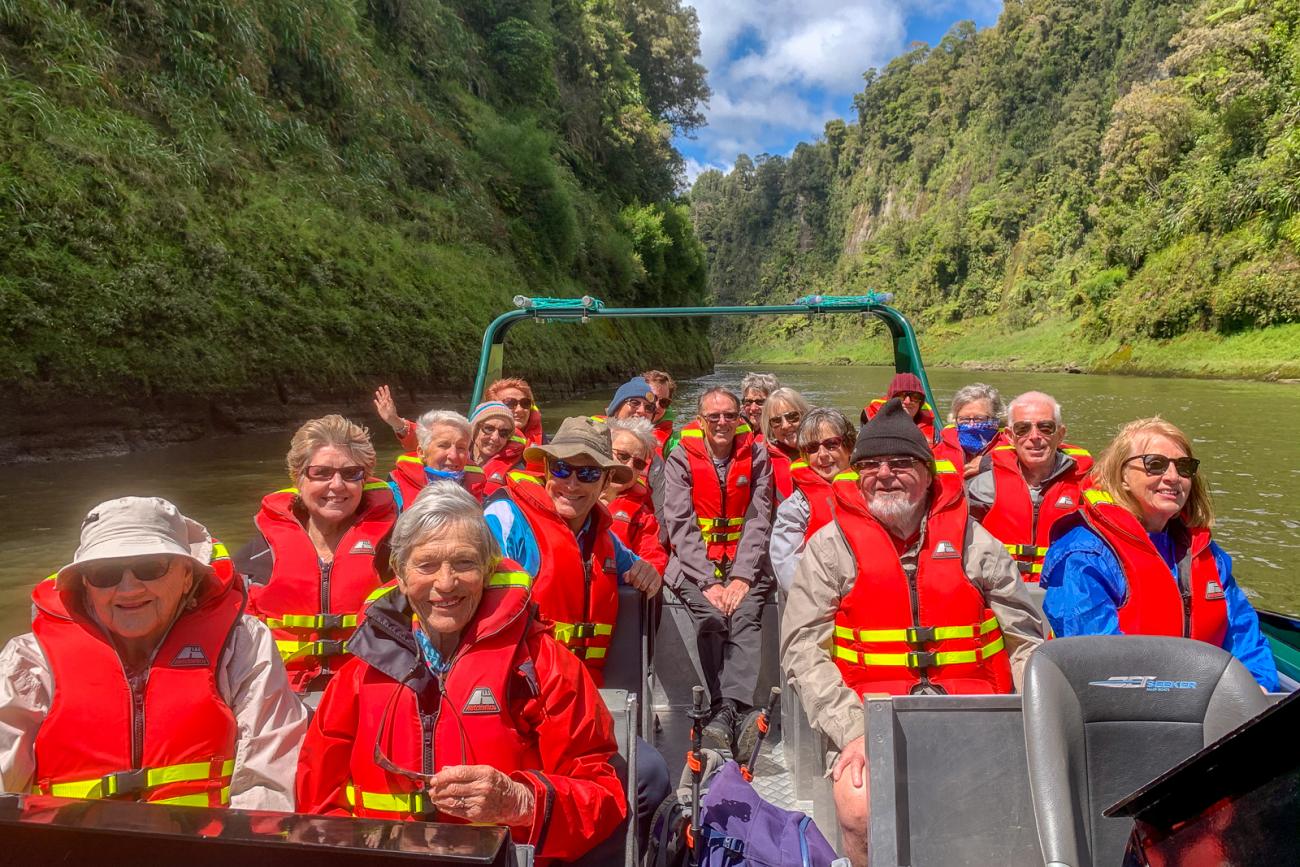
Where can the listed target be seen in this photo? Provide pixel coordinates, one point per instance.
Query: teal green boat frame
(907, 354)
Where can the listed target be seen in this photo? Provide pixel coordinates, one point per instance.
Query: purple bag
(739, 827)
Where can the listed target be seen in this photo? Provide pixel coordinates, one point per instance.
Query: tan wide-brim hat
(137, 527)
(586, 437)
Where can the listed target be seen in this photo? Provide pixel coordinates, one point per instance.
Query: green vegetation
(220, 197)
(1113, 185)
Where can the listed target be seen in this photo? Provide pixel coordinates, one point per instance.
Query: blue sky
(779, 69)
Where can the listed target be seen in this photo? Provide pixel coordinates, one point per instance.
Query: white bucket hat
(138, 527)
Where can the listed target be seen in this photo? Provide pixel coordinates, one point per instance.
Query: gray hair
(764, 382)
(1031, 397)
(788, 395)
(638, 427)
(971, 393)
(821, 417)
(440, 505)
(699, 403)
(435, 417)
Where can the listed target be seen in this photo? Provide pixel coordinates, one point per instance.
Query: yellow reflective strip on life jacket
(219, 551)
(409, 459)
(387, 802)
(1004, 448)
(292, 650)
(692, 432)
(200, 800)
(905, 660)
(564, 631)
(516, 438)
(846, 476)
(1096, 496)
(472, 470)
(1026, 551)
(53, 577)
(524, 477)
(710, 523)
(375, 486)
(989, 625)
(744, 427)
(941, 633)
(521, 580)
(287, 491)
(799, 465)
(1076, 453)
(107, 785)
(589, 652)
(380, 591)
(943, 466)
(310, 621)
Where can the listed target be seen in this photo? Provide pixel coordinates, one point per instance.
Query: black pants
(730, 647)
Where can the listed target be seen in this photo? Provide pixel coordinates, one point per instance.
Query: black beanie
(892, 432)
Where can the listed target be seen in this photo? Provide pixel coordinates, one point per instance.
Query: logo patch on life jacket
(1065, 502)
(621, 515)
(944, 551)
(743, 480)
(481, 700)
(363, 546)
(496, 477)
(190, 656)
(1213, 590)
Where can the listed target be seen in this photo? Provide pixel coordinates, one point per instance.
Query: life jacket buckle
(330, 648)
(122, 783)
(584, 630)
(919, 635)
(330, 621)
(920, 659)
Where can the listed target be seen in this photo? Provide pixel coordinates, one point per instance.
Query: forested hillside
(1108, 176)
(209, 198)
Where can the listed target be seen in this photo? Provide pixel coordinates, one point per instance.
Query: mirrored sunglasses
(587, 475)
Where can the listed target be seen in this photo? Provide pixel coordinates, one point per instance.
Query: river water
(1245, 434)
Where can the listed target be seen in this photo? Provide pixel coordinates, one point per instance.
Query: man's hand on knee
(853, 760)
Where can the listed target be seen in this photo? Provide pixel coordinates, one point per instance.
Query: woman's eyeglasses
(754, 401)
(493, 430)
(830, 445)
(719, 417)
(1155, 465)
(638, 464)
(516, 402)
(586, 475)
(1047, 428)
(791, 417)
(896, 465)
(321, 473)
(975, 419)
(104, 574)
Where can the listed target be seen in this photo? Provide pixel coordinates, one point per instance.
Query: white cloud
(695, 168)
(780, 69)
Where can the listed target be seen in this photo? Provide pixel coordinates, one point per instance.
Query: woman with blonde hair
(779, 424)
(311, 565)
(1137, 558)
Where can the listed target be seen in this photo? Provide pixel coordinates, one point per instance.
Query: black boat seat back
(1105, 715)
(624, 662)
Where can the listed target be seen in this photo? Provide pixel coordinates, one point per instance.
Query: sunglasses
(1155, 465)
(493, 430)
(109, 573)
(717, 417)
(754, 401)
(911, 395)
(791, 417)
(896, 465)
(1023, 428)
(586, 475)
(664, 402)
(516, 402)
(320, 473)
(829, 444)
(638, 464)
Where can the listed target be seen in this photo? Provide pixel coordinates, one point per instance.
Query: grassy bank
(1268, 353)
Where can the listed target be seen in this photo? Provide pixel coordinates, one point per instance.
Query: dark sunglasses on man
(104, 574)
(896, 465)
(719, 417)
(1156, 465)
(1022, 429)
(586, 475)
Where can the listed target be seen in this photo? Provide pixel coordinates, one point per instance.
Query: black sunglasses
(664, 402)
(104, 574)
(587, 475)
(1047, 427)
(516, 402)
(830, 445)
(896, 465)
(754, 401)
(639, 464)
(1155, 465)
(320, 473)
(493, 430)
(716, 417)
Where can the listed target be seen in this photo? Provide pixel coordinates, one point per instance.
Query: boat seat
(626, 660)
(1105, 715)
(622, 707)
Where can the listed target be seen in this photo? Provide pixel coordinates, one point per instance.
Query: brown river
(1247, 435)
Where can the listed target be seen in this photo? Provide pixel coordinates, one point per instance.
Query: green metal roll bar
(907, 355)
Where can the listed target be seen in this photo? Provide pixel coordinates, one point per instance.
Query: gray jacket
(788, 529)
(688, 560)
(826, 573)
(981, 489)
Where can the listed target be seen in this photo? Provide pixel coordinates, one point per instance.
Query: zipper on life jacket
(915, 601)
(325, 569)
(137, 688)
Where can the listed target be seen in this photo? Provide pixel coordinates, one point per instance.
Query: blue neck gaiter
(975, 438)
(453, 475)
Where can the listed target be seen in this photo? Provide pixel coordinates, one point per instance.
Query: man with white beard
(903, 593)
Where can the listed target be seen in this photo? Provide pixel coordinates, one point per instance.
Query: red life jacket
(495, 468)
(663, 431)
(472, 724)
(311, 619)
(924, 417)
(579, 598)
(720, 513)
(1012, 518)
(169, 739)
(1155, 604)
(532, 429)
(632, 514)
(782, 484)
(893, 640)
(822, 495)
(411, 478)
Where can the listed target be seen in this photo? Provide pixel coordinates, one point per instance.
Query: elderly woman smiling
(444, 453)
(143, 679)
(458, 705)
